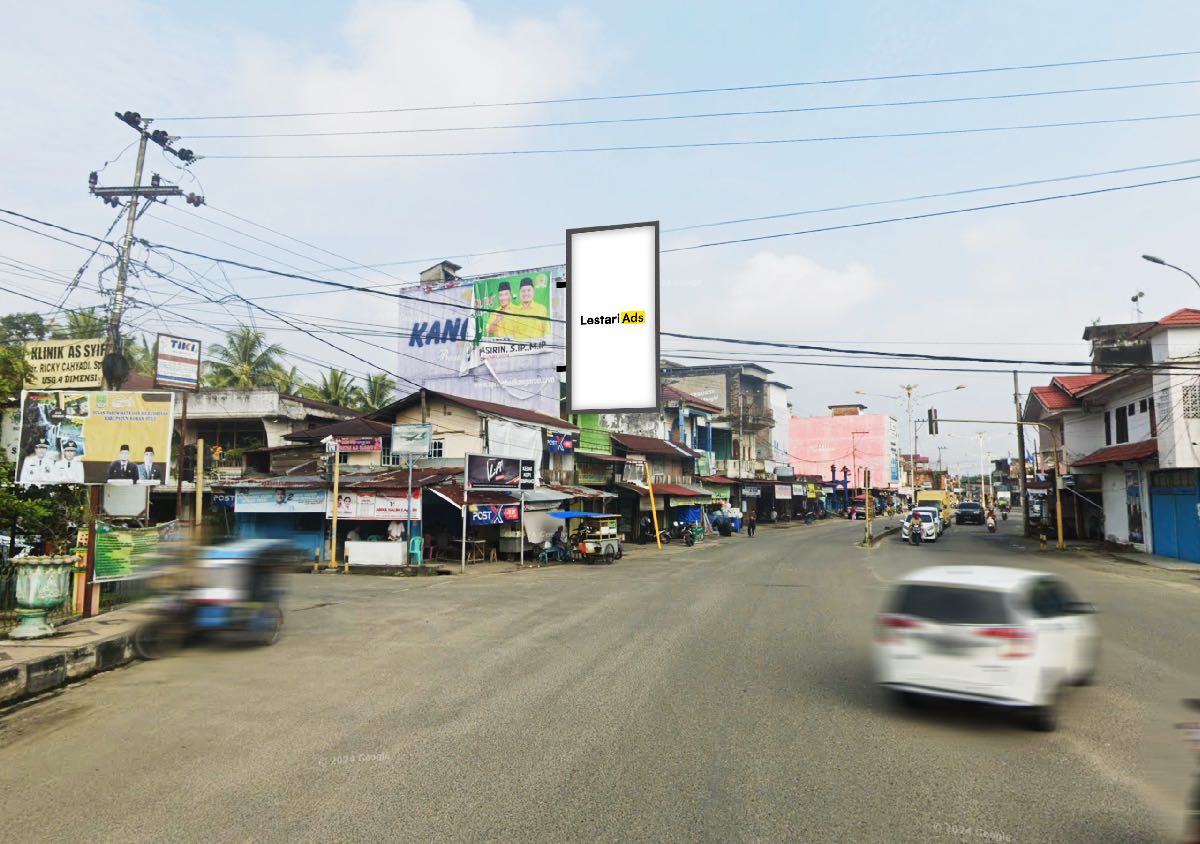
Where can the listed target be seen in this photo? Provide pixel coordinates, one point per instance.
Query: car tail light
(887, 628)
(1015, 642)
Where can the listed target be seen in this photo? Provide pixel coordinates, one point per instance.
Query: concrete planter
(43, 583)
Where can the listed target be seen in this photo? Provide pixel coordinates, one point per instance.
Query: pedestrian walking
(752, 523)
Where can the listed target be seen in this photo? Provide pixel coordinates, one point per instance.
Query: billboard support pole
(408, 537)
(653, 509)
(522, 528)
(337, 477)
(198, 513)
(179, 464)
(464, 527)
(89, 575)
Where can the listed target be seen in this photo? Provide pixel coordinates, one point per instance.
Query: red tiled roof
(1073, 384)
(542, 419)
(670, 393)
(1053, 398)
(1120, 453)
(1183, 316)
(652, 445)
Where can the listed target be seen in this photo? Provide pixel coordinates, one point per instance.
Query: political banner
(484, 471)
(64, 364)
(280, 500)
(177, 363)
(513, 313)
(121, 438)
(387, 505)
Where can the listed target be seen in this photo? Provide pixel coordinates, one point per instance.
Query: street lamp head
(1153, 259)
(961, 387)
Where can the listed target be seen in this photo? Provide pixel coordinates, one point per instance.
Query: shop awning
(603, 458)
(453, 495)
(673, 490)
(719, 480)
(581, 491)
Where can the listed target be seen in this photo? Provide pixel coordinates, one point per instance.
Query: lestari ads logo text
(619, 318)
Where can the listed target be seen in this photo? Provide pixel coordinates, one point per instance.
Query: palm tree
(336, 387)
(86, 324)
(377, 392)
(140, 357)
(288, 380)
(244, 360)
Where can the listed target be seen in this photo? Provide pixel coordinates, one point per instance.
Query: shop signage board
(177, 363)
(800, 490)
(120, 438)
(385, 505)
(494, 514)
(122, 553)
(485, 471)
(351, 444)
(783, 491)
(612, 324)
(64, 364)
(280, 500)
(560, 443)
(717, 491)
(751, 492)
(411, 438)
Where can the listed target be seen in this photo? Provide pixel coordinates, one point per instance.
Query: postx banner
(613, 319)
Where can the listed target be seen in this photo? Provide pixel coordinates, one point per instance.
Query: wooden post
(198, 514)
(179, 464)
(91, 595)
(653, 509)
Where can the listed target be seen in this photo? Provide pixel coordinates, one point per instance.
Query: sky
(1014, 282)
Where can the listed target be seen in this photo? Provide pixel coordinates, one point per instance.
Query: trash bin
(737, 524)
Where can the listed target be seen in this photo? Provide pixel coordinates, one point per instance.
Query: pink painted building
(847, 437)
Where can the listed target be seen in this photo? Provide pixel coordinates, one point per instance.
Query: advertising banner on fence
(446, 330)
(381, 505)
(95, 438)
(612, 319)
(486, 472)
(411, 438)
(177, 363)
(64, 364)
(280, 500)
(122, 553)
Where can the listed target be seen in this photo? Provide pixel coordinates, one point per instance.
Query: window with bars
(1191, 402)
(437, 448)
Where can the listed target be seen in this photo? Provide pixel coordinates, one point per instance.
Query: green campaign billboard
(513, 313)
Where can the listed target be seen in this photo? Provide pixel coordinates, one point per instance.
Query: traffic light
(933, 422)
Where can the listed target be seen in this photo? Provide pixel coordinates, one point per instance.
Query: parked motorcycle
(683, 530)
(646, 532)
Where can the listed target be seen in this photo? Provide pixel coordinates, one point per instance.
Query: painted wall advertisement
(64, 364)
(381, 505)
(95, 437)
(280, 500)
(497, 338)
(1133, 505)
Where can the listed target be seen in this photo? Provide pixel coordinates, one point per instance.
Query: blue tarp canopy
(579, 514)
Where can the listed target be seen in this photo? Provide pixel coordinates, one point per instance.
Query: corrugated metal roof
(1120, 453)
(652, 445)
(582, 491)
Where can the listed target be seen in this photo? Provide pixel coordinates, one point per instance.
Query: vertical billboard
(177, 363)
(612, 319)
(95, 437)
(496, 337)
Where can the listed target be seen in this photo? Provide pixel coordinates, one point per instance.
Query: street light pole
(1154, 259)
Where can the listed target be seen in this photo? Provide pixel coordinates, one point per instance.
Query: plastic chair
(415, 551)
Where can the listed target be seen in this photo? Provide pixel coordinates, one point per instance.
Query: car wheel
(906, 700)
(1044, 719)
(1089, 678)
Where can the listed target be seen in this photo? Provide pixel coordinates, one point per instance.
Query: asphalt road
(722, 693)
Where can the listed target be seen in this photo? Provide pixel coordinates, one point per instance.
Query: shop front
(374, 525)
(783, 502)
(752, 501)
(283, 512)
(1174, 513)
(491, 515)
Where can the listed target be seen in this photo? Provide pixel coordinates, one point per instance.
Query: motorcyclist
(915, 528)
(991, 520)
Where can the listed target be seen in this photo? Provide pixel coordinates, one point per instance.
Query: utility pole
(912, 432)
(115, 368)
(1021, 456)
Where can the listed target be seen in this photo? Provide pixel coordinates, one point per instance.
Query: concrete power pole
(115, 368)
(1021, 457)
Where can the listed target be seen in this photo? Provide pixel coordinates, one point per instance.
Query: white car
(929, 526)
(936, 512)
(1002, 636)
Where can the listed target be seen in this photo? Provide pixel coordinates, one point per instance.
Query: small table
(475, 548)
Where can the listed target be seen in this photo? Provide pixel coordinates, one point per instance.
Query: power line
(926, 133)
(663, 118)
(694, 91)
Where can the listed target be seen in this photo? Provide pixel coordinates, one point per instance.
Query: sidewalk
(79, 649)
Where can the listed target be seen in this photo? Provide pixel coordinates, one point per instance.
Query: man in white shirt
(38, 468)
(395, 531)
(69, 468)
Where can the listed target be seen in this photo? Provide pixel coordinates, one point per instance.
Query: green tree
(377, 392)
(15, 329)
(288, 380)
(243, 361)
(140, 356)
(86, 324)
(336, 387)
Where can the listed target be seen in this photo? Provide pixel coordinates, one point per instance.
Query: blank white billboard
(612, 319)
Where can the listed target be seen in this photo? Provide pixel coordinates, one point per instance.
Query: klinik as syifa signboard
(497, 338)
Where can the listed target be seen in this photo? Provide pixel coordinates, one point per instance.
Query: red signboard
(345, 444)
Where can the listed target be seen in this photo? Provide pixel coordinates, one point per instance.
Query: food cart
(591, 536)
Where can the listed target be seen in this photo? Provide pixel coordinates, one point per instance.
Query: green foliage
(245, 360)
(288, 380)
(377, 392)
(336, 387)
(87, 324)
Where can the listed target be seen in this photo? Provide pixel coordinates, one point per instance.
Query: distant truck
(1003, 498)
(940, 498)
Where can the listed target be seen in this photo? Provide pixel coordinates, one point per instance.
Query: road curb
(879, 537)
(24, 678)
